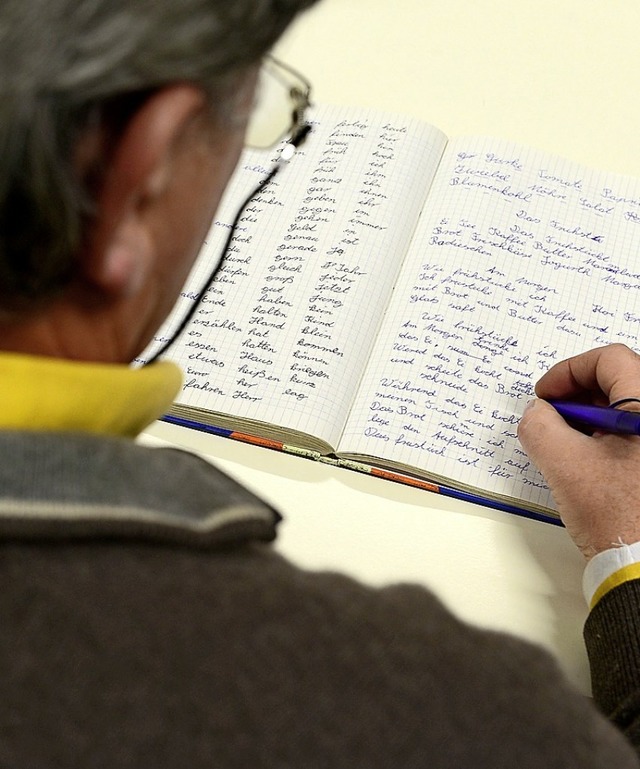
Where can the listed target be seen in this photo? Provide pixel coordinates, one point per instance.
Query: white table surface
(562, 76)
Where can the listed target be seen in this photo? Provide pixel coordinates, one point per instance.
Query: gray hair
(59, 60)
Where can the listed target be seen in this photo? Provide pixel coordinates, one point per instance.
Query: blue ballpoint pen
(601, 418)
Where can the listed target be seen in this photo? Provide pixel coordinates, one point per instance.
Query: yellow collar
(53, 394)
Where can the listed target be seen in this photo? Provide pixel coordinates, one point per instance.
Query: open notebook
(391, 299)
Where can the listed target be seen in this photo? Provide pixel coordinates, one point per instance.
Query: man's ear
(120, 249)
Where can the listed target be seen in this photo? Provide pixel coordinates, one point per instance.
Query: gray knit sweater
(145, 621)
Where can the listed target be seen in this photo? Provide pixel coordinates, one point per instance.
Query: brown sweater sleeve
(612, 637)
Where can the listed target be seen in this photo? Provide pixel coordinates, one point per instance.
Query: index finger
(602, 375)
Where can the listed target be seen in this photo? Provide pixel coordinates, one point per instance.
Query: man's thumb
(548, 440)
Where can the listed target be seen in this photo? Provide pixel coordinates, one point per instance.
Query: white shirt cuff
(606, 563)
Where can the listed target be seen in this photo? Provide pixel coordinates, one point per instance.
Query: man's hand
(595, 479)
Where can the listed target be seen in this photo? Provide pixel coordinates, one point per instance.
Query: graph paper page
(284, 333)
(519, 260)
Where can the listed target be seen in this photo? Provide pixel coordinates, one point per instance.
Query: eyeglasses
(283, 96)
(282, 99)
